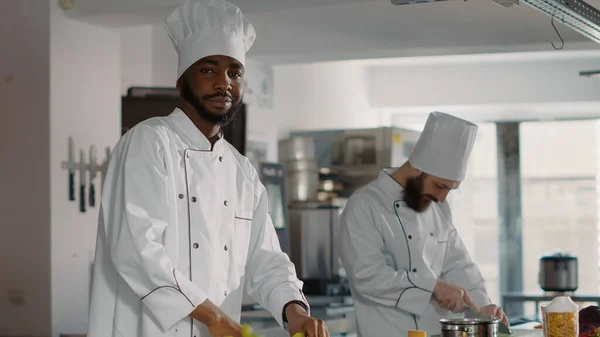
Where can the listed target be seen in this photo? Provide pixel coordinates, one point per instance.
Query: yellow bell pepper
(247, 331)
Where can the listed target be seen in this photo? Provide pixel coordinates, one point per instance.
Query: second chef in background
(406, 263)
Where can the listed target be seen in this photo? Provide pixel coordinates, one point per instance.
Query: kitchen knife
(472, 313)
(71, 168)
(81, 181)
(104, 168)
(93, 168)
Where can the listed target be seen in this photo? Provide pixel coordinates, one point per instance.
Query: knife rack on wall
(87, 173)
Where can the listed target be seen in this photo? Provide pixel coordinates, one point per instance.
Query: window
(559, 198)
(560, 162)
(477, 219)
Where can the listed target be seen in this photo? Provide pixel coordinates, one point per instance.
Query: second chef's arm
(460, 269)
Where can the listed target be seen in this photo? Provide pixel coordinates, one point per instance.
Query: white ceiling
(328, 30)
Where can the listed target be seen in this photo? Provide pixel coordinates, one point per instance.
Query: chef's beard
(222, 118)
(413, 194)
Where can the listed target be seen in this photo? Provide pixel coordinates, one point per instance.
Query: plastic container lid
(561, 304)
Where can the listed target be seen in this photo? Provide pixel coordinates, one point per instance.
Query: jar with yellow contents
(560, 318)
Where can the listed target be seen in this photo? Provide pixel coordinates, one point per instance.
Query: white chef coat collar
(190, 131)
(389, 185)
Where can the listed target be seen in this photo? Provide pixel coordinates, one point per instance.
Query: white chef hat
(444, 147)
(201, 28)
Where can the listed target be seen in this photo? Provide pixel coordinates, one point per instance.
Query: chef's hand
(495, 311)
(450, 296)
(217, 322)
(299, 322)
(225, 328)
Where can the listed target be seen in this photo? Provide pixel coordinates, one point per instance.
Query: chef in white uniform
(406, 264)
(183, 226)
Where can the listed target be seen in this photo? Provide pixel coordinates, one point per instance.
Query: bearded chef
(183, 226)
(406, 263)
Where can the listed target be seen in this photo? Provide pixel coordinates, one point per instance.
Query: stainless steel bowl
(469, 327)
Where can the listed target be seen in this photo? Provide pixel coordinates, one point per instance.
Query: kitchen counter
(337, 315)
(527, 330)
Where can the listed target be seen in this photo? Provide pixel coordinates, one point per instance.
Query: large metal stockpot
(469, 327)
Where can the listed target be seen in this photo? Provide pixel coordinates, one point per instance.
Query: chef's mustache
(431, 197)
(228, 95)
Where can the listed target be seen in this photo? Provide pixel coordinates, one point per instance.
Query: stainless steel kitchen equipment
(559, 273)
(302, 181)
(313, 227)
(469, 327)
(296, 148)
(329, 187)
(358, 155)
(297, 154)
(472, 313)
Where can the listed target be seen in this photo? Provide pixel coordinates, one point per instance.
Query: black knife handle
(71, 186)
(82, 198)
(92, 196)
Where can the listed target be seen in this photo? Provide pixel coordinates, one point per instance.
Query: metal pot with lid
(470, 327)
(558, 273)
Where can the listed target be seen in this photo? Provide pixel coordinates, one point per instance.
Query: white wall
(259, 96)
(85, 103)
(481, 79)
(24, 183)
(529, 86)
(164, 58)
(59, 79)
(136, 57)
(480, 87)
(322, 96)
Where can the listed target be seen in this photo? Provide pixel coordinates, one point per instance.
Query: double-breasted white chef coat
(181, 223)
(393, 257)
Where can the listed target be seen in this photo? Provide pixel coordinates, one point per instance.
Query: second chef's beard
(413, 194)
(221, 119)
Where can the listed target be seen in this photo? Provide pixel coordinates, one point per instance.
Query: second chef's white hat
(444, 147)
(201, 28)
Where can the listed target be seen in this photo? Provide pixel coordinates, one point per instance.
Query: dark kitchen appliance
(559, 273)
